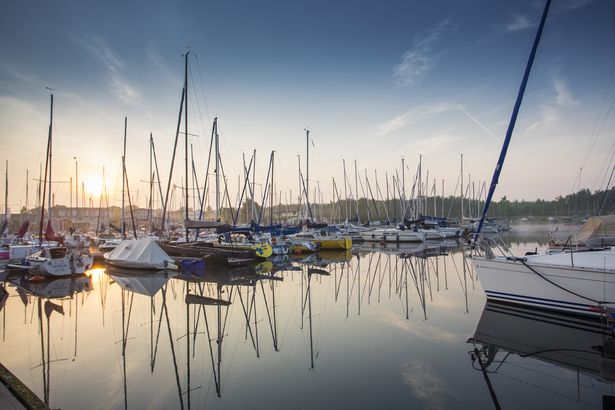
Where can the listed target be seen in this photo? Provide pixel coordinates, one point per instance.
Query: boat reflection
(565, 341)
(143, 282)
(49, 296)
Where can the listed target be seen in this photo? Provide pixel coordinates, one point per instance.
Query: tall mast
(47, 168)
(76, 185)
(27, 190)
(403, 185)
(217, 142)
(345, 188)
(513, 120)
(356, 189)
(186, 132)
(461, 214)
(6, 191)
(151, 183)
(272, 190)
(307, 165)
(50, 147)
(254, 186)
(124, 180)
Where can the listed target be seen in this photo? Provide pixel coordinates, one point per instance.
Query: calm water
(367, 329)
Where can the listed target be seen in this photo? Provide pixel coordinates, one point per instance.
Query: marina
(273, 241)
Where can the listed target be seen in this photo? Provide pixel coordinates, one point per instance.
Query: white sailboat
(581, 282)
(59, 261)
(394, 235)
(574, 281)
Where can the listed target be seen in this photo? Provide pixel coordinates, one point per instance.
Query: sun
(93, 185)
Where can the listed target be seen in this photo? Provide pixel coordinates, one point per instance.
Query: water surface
(375, 328)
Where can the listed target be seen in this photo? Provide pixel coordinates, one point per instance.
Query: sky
(373, 81)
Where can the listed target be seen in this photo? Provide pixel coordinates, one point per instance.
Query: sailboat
(582, 282)
(55, 261)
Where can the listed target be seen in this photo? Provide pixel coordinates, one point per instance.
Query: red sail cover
(51, 236)
(23, 229)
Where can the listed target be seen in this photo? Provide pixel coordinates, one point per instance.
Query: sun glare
(93, 185)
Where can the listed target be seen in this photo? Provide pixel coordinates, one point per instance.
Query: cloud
(425, 384)
(550, 111)
(563, 95)
(118, 84)
(421, 112)
(18, 73)
(158, 62)
(522, 22)
(419, 59)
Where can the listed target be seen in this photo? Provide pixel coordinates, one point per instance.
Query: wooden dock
(16, 395)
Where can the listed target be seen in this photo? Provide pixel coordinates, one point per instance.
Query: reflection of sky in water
(386, 332)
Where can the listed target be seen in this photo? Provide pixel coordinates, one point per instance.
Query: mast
(356, 189)
(345, 188)
(403, 185)
(307, 166)
(272, 190)
(6, 191)
(47, 167)
(76, 185)
(124, 180)
(151, 183)
(217, 142)
(50, 147)
(254, 187)
(186, 132)
(27, 189)
(513, 120)
(461, 214)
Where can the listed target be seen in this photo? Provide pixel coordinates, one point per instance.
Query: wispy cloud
(419, 59)
(425, 384)
(520, 22)
(550, 110)
(118, 84)
(421, 112)
(156, 59)
(523, 22)
(18, 73)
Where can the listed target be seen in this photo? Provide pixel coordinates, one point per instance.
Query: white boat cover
(140, 254)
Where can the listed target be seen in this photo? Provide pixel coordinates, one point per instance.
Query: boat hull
(343, 243)
(563, 288)
(393, 236)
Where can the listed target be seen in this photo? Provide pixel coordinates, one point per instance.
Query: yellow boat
(325, 240)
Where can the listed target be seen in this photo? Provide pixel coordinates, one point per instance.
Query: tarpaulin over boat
(140, 254)
(598, 230)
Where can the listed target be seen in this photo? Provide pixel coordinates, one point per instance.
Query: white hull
(449, 232)
(18, 252)
(66, 266)
(591, 278)
(393, 236)
(123, 264)
(432, 234)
